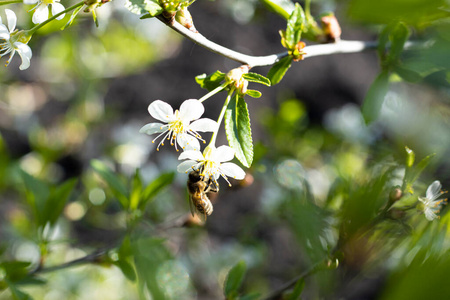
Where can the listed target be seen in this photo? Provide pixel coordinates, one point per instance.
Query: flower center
(177, 125)
(47, 2)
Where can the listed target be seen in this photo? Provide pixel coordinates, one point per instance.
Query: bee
(198, 186)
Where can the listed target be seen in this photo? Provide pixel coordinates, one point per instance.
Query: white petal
(191, 154)
(11, 19)
(232, 170)
(191, 109)
(203, 125)
(434, 190)
(30, 1)
(40, 14)
(222, 153)
(152, 128)
(430, 215)
(187, 141)
(4, 32)
(161, 110)
(186, 166)
(56, 9)
(25, 53)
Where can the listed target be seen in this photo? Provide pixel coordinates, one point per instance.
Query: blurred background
(319, 176)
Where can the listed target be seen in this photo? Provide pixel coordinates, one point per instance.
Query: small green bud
(410, 157)
(395, 194)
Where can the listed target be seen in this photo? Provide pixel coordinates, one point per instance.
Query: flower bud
(395, 194)
(235, 78)
(331, 28)
(297, 53)
(183, 16)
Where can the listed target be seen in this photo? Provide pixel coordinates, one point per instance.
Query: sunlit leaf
(238, 130)
(258, 78)
(141, 7)
(210, 82)
(279, 69)
(295, 26)
(253, 93)
(282, 7)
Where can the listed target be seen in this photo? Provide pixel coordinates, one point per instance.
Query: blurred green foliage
(317, 199)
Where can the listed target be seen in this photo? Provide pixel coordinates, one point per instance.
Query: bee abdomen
(205, 207)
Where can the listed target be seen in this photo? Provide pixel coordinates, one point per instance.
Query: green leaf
(295, 26)
(18, 294)
(57, 200)
(282, 7)
(136, 190)
(276, 73)
(140, 7)
(398, 37)
(210, 82)
(127, 269)
(255, 77)
(295, 295)
(238, 130)
(234, 280)
(411, 174)
(251, 296)
(37, 193)
(155, 187)
(375, 97)
(407, 74)
(254, 93)
(72, 17)
(114, 183)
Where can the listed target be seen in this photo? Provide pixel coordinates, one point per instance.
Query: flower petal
(56, 9)
(4, 32)
(429, 214)
(434, 190)
(152, 128)
(232, 170)
(191, 154)
(191, 109)
(40, 14)
(161, 110)
(203, 125)
(185, 166)
(28, 2)
(188, 142)
(25, 53)
(11, 19)
(222, 153)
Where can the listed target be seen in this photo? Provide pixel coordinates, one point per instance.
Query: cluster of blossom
(12, 40)
(181, 128)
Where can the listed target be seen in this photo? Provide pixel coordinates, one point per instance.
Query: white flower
(431, 202)
(41, 13)
(178, 124)
(14, 40)
(211, 163)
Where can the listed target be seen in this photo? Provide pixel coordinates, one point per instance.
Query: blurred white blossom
(41, 9)
(431, 203)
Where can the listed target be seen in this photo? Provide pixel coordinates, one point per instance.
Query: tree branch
(257, 61)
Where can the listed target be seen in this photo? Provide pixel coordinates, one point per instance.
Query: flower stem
(35, 28)
(213, 92)
(5, 2)
(222, 113)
